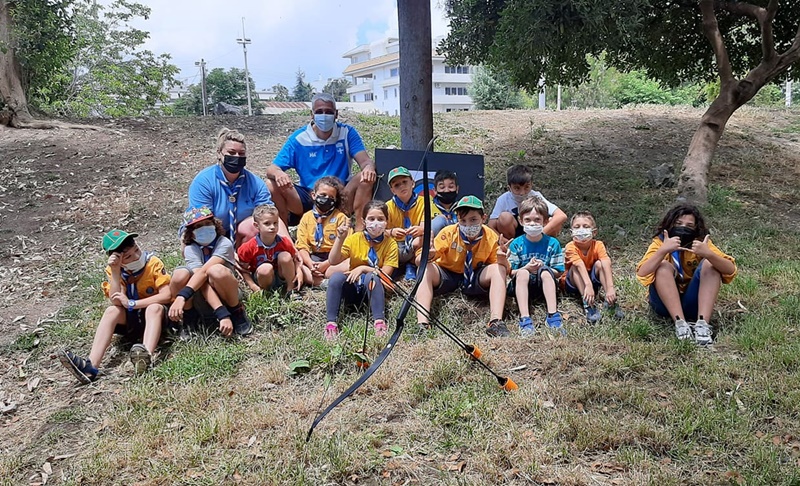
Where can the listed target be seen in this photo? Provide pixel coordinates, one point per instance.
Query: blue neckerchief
(469, 273)
(676, 260)
(233, 198)
(208, 250)
(449, 215)
(372, 257)
(406, 218)
(131, 278)
(319, 234)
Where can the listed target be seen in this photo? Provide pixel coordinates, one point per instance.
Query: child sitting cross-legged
(588, 267)
(137, 287)
(406, 212)
(367, 250)
(536, 263)
(271, 258)
(468, 255)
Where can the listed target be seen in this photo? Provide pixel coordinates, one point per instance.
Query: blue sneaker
(554, 324)
(526, 328)
(592, 314)
(81, 368)
(411, 272)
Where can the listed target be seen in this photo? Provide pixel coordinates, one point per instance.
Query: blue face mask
(205, 235)
(324, 122)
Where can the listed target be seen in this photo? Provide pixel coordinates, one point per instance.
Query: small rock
(662, 176)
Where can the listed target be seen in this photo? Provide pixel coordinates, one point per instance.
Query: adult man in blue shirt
(323, 147)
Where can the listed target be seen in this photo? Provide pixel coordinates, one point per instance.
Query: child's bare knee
(522, 275)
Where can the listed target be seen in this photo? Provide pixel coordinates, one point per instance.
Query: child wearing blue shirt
(537, 261)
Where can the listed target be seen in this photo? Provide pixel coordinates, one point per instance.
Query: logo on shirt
(312, 154)
(339, 148)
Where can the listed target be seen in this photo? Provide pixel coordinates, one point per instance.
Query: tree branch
(764, 17)
(711, 31)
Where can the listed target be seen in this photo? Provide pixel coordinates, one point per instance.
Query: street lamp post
(244, 41)
(202, 64)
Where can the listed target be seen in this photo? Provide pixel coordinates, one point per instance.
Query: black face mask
(685, 233)
(234, 164)
(324, 203)
(447, 197)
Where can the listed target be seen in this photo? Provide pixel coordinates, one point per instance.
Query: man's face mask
(324, 121)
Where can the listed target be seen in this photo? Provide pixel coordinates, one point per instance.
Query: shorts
(570, 289)
(319, 257)
(689, 300)
(305, 199)
(133, 329)
(277, 282)
(405, 253)
(452, 281)
(535, 291)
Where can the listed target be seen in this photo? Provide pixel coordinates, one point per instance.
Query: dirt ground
(60, 190)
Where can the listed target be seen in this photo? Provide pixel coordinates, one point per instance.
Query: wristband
(221, 313)
(186, 292)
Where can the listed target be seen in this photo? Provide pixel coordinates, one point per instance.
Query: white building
(374, 71)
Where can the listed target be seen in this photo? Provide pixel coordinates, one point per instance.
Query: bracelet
(186, 292)
(221, 313)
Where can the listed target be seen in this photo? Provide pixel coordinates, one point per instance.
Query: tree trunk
(416, 66)
(13, 95)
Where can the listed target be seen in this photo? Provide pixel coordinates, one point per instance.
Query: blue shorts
(277, 282)
(688, 298)
(572, 290)
(452, 281)
(534, 285)
(305, 199)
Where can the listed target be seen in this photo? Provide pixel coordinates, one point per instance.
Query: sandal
(331, 331)
(380, 328)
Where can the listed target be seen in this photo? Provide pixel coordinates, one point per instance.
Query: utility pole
(244, 41)
(202, 65)
(416, 73)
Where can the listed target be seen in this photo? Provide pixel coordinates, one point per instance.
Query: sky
(286, 35)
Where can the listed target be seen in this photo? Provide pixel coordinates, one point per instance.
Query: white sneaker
(702, 333)
(683, 330)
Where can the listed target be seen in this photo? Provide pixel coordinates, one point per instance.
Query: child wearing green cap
(470, 256)
(406, 213)
(138, 287)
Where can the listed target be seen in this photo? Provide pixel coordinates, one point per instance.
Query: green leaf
(299, 366)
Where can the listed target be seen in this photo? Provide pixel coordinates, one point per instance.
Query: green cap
(469, 202)
(398, 171)
(114, 238)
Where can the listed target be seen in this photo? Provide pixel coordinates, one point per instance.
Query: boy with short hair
(536, 263)
(446, 184)
(138, 287)
(406, 213)
(505, 213)
(470, 256)
(272, 258)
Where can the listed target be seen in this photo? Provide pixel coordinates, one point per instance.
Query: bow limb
(426, 248)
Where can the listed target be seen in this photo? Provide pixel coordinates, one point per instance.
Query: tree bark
(13, 95)
(416, 66)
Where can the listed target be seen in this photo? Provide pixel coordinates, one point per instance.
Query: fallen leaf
(579, 406)
(777, 440)
(457, 467)
(454, 457)
(251, 441)
(760, 434)
(33, 383)
(236, 476)
(548, 404)
(63, 456)
(665, 461)
(387, 453)
(734, 476)
(47, 468)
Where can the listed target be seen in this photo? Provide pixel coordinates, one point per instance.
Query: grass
(617, 403)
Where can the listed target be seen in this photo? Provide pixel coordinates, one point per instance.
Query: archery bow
(401, 315)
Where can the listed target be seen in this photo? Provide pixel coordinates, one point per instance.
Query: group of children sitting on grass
(516, 253)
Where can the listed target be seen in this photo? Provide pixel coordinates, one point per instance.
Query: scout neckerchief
(130, 279)
(406, 218)
(232, 190)
(372, 256)
(468, 271)
(319, 234)
(269, 256)
(208, 250)
(448, 214)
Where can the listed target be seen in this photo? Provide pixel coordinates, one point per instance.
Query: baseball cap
(195, 215)
(114, 238)
(469, 202)
(397, 172)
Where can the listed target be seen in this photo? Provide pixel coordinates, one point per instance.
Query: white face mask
(582, 234)
(518, 198)
(205, 235)
(136, 265)
(376, 228)
(533, 229)
(470, 230)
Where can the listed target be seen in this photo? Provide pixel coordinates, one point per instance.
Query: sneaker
(380, 328)
(140, 358)
(241, 324)
(683, 330)
(331, 331)
(526, 328)
(324, 284)
(702, 332)
(81, 368)
(497, 328)
(593, 315)
(615, 309)
(411, 272)
(554, 323)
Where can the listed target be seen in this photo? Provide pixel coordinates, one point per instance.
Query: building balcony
(360, 88)
(452, 78)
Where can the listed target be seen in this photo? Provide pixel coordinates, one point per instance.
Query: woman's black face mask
(234, 164)
(685, 233)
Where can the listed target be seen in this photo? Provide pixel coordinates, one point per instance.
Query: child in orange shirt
(588, 267)
(317, 229)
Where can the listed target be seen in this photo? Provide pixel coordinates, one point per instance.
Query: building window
(395, 92)
(368, 97)
(386, 94)
(455, 91)
(456, 69)
(393, 73)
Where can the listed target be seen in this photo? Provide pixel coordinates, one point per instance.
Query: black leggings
(340, 290)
